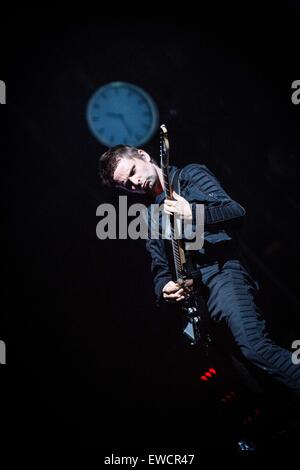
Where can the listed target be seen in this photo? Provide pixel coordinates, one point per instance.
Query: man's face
(138, 175)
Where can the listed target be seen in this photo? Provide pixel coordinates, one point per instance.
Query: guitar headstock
(164, 147)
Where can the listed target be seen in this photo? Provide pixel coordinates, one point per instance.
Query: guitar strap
(175, 181)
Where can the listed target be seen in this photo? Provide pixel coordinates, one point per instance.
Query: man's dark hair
(110, 159)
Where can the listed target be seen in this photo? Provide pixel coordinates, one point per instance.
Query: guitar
(197, 328)
(196, 320)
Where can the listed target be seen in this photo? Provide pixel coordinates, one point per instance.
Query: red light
(213, 371)
(204, 378)
(208, 374)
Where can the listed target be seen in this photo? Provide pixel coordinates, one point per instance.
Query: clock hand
(114, 115)
(122, 119)
(126, 125)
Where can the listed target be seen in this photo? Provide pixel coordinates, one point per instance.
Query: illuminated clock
(122, 113)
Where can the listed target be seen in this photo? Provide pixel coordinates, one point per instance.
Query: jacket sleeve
(201, 186)
(159, 266)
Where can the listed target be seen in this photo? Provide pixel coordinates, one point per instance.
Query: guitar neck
(167, 184)
(177, 245)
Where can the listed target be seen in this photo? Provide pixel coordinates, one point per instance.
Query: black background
(91, 360)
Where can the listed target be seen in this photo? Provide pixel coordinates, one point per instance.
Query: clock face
(122, 113)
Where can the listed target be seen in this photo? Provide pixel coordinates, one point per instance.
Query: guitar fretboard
(167, 187)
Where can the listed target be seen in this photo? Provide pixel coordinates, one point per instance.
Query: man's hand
(176, 291)
(179, 206)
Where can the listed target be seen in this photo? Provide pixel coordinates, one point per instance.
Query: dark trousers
(231, 298)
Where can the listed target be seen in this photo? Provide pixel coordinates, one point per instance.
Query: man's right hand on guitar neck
(176, 291)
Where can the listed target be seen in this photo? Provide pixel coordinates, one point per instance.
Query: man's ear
(144, 155)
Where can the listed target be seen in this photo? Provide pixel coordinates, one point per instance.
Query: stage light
(208, 374)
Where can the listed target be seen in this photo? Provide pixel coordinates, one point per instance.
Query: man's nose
(136, 181)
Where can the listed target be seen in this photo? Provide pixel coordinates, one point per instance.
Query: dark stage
(93, 363)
